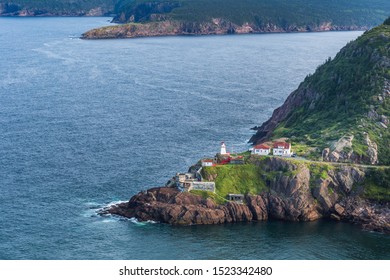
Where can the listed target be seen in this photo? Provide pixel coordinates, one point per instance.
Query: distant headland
(145, 18)
(142, 18)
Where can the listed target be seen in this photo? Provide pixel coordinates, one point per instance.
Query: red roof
(282, 145)
(262, 146)
(207, 160)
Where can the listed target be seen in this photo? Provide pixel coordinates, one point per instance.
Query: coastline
(291, 194)
(180, 28)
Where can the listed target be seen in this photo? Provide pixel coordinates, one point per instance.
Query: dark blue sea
(87, 123)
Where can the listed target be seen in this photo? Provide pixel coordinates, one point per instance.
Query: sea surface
(84, 124)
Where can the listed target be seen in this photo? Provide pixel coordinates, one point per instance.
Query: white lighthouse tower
(223, 149)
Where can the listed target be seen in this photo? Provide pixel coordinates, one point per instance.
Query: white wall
(263, 152)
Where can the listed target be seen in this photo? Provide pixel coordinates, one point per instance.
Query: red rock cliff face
(169, 205)
(289, 199)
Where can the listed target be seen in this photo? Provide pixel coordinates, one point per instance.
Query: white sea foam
(115, 203)
(94, 209)
(137, 222)
(108, 218)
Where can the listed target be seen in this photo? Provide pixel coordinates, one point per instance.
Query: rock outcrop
(371, 216)
(290, 196)
(340, 151)
(169, 205)
(294, 194)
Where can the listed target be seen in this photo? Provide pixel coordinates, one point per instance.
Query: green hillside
(259, 12)
(56, 7)
(344, 106)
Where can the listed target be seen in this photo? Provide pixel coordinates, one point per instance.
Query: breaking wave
(98, 210)
(137, 222)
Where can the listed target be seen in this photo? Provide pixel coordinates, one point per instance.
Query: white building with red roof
(261, 149)
(207, 162)
(282, 149)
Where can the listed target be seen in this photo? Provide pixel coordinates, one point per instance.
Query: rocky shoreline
(289, 197)
(168, 205)
(215, 27)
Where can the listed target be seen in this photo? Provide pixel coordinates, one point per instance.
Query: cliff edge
(294, 191)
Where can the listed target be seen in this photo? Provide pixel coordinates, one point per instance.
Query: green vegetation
(56, 7)
(318, 171)
(205, 194)
(341, 93)
(281, 13)
(255, 177)
(252, 178)
(377, 184)
(244, 179)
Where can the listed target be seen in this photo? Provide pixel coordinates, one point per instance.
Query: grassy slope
(279, 12)
(251, 179)
(348, 88)
(236, 179)
(377, 185)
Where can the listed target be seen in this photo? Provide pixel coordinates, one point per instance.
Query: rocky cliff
(294, 193)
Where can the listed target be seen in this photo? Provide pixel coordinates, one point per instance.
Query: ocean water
(87, 123)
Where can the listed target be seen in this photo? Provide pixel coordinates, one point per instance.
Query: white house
(207, 162)
(261, 149)
(282, 149)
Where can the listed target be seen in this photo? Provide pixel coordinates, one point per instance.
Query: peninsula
(336, 123)
(145, 18)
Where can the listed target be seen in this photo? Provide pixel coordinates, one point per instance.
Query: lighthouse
(223, 148)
